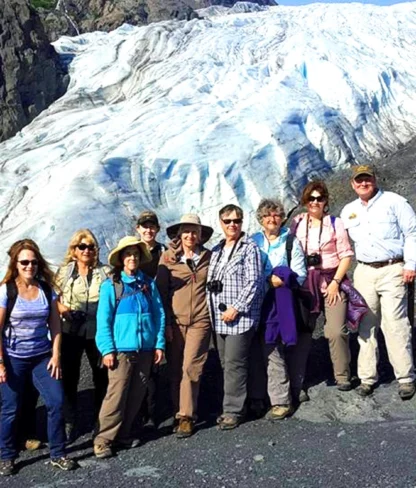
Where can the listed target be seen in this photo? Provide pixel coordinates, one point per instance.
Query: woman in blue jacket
(130, 337)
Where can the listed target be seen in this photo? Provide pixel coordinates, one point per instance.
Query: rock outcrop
(30, 78)
(106, 15)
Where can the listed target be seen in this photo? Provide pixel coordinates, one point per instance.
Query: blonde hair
(77, 239)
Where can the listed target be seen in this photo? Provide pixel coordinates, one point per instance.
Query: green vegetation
(48, 4)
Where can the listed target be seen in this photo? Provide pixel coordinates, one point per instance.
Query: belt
(381, 264)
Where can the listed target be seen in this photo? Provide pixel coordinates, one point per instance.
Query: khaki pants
(188, 353)
(127, 386)
(335, 330)
(385, 294)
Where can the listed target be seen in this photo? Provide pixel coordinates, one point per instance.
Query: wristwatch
(337, 280)
(1, 361)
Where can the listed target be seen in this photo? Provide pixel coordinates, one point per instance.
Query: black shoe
(406, 390)
(344, 386)
(64, 463)
(364, 390)
(7, 467)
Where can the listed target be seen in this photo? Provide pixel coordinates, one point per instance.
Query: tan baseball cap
(363, 169)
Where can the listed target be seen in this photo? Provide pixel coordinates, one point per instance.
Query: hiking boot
(103, 451)
(303, 396)
(406, 390)
(64, 463)
(344, 386)
(185, 428)
(279, 412)
(32, 444)
(228, 422)
(364, 389)
(7, 467)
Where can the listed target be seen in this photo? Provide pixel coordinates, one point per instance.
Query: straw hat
(191, 219)
(114, 256)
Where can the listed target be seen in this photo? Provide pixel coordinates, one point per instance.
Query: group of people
(256, 298)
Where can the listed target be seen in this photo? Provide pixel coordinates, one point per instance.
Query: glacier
(188, 116)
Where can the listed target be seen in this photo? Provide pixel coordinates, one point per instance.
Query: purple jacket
(278, 315)
(357, 306)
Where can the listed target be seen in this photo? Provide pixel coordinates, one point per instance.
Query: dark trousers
(50, 389)
(71, 356)
(27, 413)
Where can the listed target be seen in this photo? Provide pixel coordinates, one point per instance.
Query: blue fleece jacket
(137, 323)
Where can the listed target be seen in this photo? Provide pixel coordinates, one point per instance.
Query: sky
(304, 2)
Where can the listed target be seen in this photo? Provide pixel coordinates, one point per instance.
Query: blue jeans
(18, 372)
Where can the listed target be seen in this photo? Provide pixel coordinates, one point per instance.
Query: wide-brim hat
(114, 256)
(190, 219)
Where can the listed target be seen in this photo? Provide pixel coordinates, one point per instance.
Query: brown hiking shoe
(102, 451)
(364, 389)
(279, 412)
(32, 444)
(185, 428)
(406, 390)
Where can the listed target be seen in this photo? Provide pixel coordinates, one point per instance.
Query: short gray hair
(268, 205)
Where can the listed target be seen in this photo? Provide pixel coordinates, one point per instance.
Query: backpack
(119, 288)
(71, 272)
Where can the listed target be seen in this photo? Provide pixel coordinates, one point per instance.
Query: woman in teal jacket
(130, 336)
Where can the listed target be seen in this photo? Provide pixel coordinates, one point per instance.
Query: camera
(314, 260)
(76, 319)
(214, 286)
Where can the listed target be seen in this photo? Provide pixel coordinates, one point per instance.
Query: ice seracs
(186, 116)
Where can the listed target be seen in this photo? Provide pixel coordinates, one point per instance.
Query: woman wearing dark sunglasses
(78, 281)
(181, 279)
(28, 317)
(328, 257)
(235, 291)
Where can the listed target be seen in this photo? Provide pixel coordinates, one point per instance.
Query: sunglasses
(83, 247)
(319, 199)
(234, 221)
(26, 262)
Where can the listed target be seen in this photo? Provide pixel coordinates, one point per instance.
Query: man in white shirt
(383, 228)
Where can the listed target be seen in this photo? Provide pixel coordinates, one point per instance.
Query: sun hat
(363, 169)
(148, 216)
(191, 219)
(114, 256)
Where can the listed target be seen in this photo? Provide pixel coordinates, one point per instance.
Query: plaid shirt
(243, 283)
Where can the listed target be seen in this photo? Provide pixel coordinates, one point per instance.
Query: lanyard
(229, 257)
(307, 235)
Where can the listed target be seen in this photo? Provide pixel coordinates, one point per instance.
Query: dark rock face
(30, 79)
(106, 15)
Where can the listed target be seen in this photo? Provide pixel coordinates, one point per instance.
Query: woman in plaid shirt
(235, 294)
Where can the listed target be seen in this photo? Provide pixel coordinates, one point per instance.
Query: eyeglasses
(83, 246)
(273, 216)
(319, 199)
(26, 262)
(234, 221)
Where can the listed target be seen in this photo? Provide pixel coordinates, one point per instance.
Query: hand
(158, 356)
(408, 275)
(54, 366)
(275, 281)
(169, 333)
(3, 375)
(110, 360)
(230, 314)
(332, 294)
